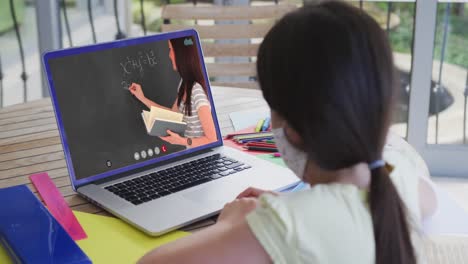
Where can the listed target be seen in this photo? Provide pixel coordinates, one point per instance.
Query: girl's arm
(206, 120)
(136, 90)
(228, 241)
(150, 103)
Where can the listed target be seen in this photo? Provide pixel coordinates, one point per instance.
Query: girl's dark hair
(189, 68)
(328, 70)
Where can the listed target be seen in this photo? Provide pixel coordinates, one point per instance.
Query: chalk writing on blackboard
(133, 67)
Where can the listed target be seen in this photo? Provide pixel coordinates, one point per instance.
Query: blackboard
(102, 120)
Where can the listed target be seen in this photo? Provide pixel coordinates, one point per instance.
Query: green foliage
(149, 9)
(6, 23)
(401, 37)
(152, 9)
(155, 25)
(457, 40)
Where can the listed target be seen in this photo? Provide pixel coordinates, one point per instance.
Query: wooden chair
(260, 20)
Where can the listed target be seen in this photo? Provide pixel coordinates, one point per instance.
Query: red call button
(163, 148)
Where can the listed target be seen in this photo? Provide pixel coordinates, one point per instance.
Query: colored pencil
(266, 124)
(232, 135)
(254, 135)
(251, 140)
(262, 149)
(260, 144)
(259, 126)
(229, 136)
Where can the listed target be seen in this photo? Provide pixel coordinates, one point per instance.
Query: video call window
(125, 105)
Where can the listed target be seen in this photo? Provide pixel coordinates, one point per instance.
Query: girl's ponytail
(391, 231)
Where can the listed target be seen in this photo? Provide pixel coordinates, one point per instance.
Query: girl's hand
(235, 211)
(174, 138)
(254, 193)
(136, 90)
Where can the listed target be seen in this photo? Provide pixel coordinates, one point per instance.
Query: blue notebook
(31, 234)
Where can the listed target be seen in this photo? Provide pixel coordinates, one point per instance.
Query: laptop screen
(131, 103)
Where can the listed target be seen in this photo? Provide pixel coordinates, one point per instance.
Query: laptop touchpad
(219, 193)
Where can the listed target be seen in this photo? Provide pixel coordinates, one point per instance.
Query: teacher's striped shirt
(194, 127)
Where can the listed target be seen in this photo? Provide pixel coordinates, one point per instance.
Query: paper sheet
(110, 240)
(244, 119)
(159, 113)
(271, 158)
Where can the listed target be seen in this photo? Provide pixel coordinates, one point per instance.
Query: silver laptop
(155, 183)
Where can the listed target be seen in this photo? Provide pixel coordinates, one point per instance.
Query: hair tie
(376, 164)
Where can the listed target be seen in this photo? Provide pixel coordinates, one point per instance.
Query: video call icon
(188, 42)
(148, 153)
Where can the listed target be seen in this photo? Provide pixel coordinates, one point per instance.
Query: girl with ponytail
(327, 73)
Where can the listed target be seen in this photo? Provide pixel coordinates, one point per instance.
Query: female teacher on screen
(196, 110)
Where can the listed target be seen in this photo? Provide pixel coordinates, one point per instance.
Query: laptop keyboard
(161, 183)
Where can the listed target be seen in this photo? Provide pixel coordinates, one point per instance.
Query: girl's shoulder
(344, 203)
(197, 86)
(312, 225)
(198, 90)
(322, 198)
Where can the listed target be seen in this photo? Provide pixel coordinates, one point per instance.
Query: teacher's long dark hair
(189, 68)
(328, 70)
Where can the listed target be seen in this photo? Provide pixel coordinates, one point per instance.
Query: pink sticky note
(57, 205)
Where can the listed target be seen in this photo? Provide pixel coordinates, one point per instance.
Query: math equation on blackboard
(135, 65)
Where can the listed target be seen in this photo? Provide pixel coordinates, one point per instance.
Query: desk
(30, 143)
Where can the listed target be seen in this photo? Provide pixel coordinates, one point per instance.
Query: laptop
(155, 183)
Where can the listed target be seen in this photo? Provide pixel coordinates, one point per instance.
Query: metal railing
(91, 20)
(66, 22)
(23, 75)
(64, 26)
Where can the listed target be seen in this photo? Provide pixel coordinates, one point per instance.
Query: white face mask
(295, 159)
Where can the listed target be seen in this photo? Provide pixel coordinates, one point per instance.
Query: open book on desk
(158, 121)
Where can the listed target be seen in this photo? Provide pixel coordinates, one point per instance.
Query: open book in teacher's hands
(158, 121)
